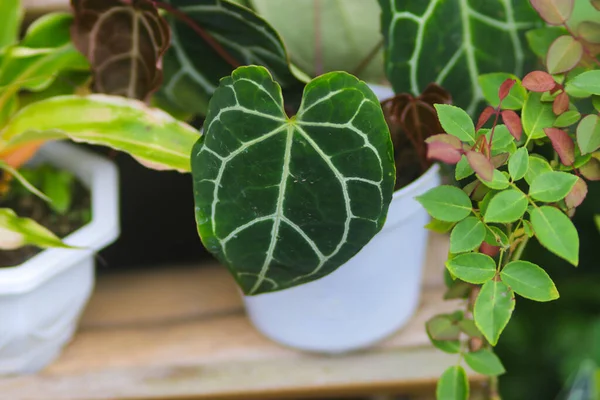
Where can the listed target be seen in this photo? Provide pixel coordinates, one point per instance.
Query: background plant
(515, 194)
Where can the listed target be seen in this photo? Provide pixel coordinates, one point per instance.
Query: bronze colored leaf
(513, 123)
(591, 170)
(124, 44)
(538, 81)
(577, 194)
(484, 117)
(561, 103)
(481, 165)
(563, 144)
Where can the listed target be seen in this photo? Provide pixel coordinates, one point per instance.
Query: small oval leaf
(588, 134)
(562, 144)
(485, 362)
(554, 12)
(446, 203)
(536, 116)
(518, 163)
(507, 206)
(563, 55)
(493, 308)
(481, 165)
(472, 267)
(529, 281)
(456, 122)
(513, 123)
(556, 232)
(552, 186)
(453, 385)
(539, 81)
(467, 235)
(567, 118)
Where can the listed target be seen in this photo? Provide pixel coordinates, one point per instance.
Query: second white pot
(365, 300)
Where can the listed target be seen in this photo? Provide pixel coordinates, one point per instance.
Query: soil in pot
(71, 208)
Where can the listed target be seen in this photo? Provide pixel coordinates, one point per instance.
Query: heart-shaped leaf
(588, 134)
(529, 281)
(563, 55)
(556, 232)
(127, 63)
(232, 35)
(150, 135)
(285, 201)
(493, 309)
(420, 49)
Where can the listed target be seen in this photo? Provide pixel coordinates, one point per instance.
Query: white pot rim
(101, 177)
(417, 183)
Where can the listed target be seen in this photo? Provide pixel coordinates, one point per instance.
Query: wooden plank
(181, 333)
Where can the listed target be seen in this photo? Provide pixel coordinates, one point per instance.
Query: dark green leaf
(537, 166)
(420, 49)
(567, 118)
(536, 116)
(556, 232)
(552, 186)
(588, 134)
(472, 267)
(446, 203)
(529, 281)
(491, 82)
(193, 68)
(453, 385)
(540, 39)
(456, 122)
(442, 327)
(493, 308)
(518, 164)
(485, 362)
(507, 206)
(467, 235)
(306, 193)
(563, 55)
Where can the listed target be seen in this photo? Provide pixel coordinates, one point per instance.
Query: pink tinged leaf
(500, 159)
(591, 170)
(513, 123)
(444, 152)
(554, 12)
(577, 194)
(481, 165)
(538, 81)
(589, 31)
(563, 145)
(489, 249)
(445, 138)
(563, 55)
(505, 88)
(484, 117)
(561, 103)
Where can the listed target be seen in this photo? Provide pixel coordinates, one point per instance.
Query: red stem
(200, 31)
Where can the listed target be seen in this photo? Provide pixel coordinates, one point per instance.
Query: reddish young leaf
(444, 152)
(444, 137)
(563, 144)
(561, 103)
(554, 12)
(484, 117)
(513, 123)
(563, 55)
(538, 81)
(591, 170)
(481, 165)
(489, 249)
(577, 194)
(505, 88)
(499, 159)
(124, 44)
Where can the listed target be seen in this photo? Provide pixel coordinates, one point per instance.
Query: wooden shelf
(180, 332)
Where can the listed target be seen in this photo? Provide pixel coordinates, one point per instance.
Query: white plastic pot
(42, 299)
(365, 300)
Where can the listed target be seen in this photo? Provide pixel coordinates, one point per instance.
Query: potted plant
(42, 292)
(522, 180)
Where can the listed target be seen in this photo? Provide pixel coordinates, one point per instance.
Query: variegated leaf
(453, 42)
(285, 201)
(16, 232)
